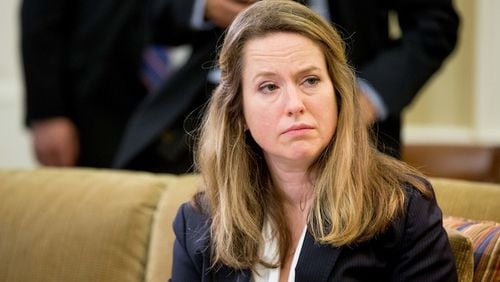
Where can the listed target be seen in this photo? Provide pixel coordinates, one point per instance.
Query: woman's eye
(268, 88)
(311, 81)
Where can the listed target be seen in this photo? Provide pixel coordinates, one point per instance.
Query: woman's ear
(244, 125)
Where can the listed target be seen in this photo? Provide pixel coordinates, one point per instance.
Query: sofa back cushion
(76, 224)
(468, 199)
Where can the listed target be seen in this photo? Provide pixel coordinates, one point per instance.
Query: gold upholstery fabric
(104, 225)
(468, 199)
(179, 190)
(75, 225)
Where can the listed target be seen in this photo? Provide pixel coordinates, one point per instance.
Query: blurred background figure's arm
(176, 23)
(429, 31)
(223, 12)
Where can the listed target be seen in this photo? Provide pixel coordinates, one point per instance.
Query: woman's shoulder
(420, 215)
(191, 216)
(423, 195)
(192, 227)
(423, 243)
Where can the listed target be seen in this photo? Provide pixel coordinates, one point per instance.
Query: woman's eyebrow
(301, 71)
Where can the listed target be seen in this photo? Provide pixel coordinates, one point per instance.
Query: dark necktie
(155, 66)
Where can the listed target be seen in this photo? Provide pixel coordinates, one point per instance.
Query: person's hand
(368, 110)
(55, 141)
(223, 12)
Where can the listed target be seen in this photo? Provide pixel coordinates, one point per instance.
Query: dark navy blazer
(414, 248)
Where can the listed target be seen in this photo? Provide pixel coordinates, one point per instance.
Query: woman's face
(289, 103)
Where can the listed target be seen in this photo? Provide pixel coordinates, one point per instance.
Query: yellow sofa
(105, 225)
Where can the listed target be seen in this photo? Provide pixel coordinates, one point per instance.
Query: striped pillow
(485, 238)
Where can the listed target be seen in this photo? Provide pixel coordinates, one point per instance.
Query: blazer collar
(315, 263)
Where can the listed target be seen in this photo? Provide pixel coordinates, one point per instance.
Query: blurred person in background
(390, 70)
(81, 61)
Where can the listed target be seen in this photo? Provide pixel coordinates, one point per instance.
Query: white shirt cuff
(198, 17)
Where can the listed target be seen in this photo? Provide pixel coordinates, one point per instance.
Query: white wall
(461, 104)
(14, 142)
(487, 76)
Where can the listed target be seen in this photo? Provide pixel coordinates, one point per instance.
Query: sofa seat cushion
(485, 239)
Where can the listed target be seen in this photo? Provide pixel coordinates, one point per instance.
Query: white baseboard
(450, 135)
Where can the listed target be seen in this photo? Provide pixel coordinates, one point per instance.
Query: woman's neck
(295, 185)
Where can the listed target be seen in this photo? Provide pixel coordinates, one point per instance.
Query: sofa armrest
(76, 224)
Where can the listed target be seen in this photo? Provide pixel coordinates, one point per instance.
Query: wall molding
(450, 135)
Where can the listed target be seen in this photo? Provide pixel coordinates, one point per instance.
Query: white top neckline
(264, 274)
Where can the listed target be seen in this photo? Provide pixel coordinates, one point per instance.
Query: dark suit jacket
(81, 61)
(414, 248)
(397, 68)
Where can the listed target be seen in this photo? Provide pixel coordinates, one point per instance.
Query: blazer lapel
(315, 261)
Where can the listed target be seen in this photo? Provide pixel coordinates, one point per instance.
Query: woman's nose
(294, 102)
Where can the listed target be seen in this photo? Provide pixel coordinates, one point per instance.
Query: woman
(292, 188)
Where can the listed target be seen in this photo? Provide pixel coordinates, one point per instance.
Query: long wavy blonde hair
(357, 191)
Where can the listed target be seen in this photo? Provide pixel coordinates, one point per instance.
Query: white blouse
(270, 254)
